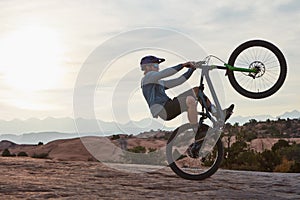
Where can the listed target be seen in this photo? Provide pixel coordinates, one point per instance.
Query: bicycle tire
(258, 46)
(179, 171)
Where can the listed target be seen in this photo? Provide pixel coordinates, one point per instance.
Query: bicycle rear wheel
(187, 166)
(270, 64)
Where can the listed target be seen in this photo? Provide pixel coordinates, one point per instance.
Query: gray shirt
(154, 87)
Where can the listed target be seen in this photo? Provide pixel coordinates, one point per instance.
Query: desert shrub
(138, 155)
(41, 155)
(138, 149)
(295, 167)
(115, 137)
(285, 166)
(152, 149)
(6, 153)
(92, 159)
(22, 154)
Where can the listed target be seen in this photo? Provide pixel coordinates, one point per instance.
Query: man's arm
(154, 77)
(178, 81)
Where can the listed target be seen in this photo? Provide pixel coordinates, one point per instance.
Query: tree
(252, 121)
(290, 156)
(233, 152)
(229, 134)
(248, 160)
(280, 144)
(288, 124)
(269, 160)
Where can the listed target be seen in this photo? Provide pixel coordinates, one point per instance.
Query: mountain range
(295, 114)
(33, 131)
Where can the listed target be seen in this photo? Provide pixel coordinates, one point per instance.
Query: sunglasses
(155, 65)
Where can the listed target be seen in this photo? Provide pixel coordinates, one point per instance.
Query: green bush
(6, 153)
(22, 154)
(138, 149)
(138, 155)
(41, 155)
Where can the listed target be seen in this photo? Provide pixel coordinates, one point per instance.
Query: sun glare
(31, 59)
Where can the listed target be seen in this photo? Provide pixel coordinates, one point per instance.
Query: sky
(46, 46)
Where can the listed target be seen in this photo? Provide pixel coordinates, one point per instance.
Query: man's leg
(191, 104)
(190, 97)
(192, 109)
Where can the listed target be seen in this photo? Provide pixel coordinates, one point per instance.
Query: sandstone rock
(27, 178)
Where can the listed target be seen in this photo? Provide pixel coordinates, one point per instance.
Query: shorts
(176, 106)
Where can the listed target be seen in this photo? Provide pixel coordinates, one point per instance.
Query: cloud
(288, 7)
(217, 26)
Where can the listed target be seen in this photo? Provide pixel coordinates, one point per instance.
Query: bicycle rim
(267, 59)
(192, 168)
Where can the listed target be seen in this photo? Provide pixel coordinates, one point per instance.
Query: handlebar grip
(199, 64)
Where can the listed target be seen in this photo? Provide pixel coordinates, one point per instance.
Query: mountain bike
(256, 69)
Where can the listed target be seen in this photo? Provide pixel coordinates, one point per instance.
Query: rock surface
(27, 178)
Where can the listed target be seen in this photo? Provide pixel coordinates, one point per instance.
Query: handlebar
(199, 64)
(203, 63)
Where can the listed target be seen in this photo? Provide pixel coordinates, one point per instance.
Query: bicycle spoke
(268, 77)
(269, 65)
(186, 155)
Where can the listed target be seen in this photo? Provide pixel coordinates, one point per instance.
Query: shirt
(154, 88)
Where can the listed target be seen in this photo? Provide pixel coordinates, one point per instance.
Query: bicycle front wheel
(269, 62)
(189, 165)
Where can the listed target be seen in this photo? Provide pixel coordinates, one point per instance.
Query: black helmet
(150, 60)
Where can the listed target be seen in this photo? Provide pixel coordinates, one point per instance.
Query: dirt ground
(28, 178)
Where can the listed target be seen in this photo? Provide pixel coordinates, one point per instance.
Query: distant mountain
(17, 126)
(68, 125)
(295, 114)
(243, 119)
(32, 131)
(35, 138)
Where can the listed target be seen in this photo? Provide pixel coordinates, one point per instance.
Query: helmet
(150, 60)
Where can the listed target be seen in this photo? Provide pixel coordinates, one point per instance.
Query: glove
(190, 64)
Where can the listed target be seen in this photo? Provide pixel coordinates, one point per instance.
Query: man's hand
(190, 64)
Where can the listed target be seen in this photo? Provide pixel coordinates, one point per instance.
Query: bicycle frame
(205, 73)
(232, 68)
(213, 133)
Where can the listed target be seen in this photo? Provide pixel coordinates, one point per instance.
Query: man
(160, 104)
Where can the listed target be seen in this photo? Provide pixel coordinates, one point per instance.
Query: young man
(160, 104)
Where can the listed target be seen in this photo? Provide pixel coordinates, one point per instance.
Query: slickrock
(27, 178)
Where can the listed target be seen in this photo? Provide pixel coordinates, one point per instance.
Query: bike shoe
(228, 112)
